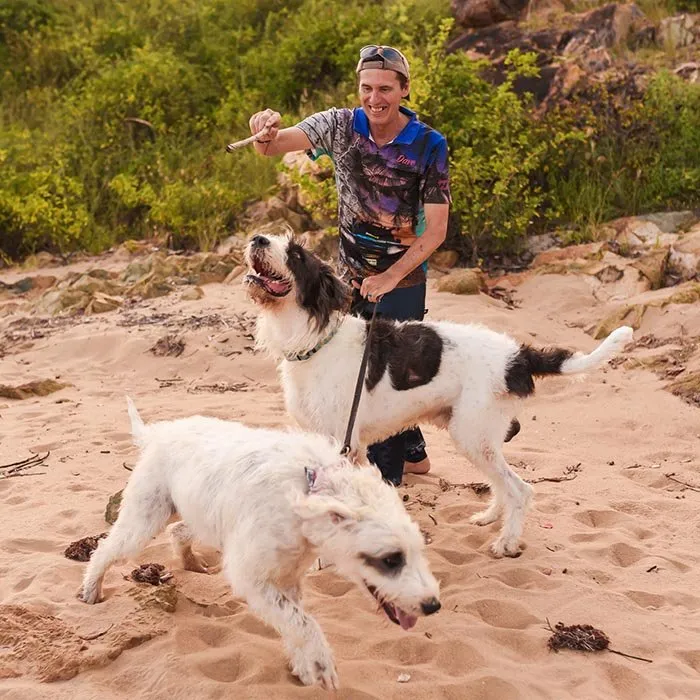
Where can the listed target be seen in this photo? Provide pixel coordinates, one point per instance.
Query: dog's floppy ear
(319, 291)
(316, 506)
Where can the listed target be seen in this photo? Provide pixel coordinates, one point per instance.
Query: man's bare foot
(422, 467)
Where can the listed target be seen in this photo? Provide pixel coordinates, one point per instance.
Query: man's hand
(376, 286)
(273, 140)
(269, 121)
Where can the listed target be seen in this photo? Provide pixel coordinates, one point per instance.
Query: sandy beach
(612, 540)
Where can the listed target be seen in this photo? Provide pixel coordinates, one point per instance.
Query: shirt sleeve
(322, 130)
(435, 188)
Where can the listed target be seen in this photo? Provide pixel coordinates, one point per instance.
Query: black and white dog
(462, 377)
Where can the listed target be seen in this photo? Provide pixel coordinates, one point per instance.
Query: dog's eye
(391, 564)
(394, 561)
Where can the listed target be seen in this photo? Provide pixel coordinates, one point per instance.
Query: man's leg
(415, 457)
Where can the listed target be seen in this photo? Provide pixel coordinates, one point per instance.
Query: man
(391, 171)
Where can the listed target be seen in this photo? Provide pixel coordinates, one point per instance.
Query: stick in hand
(244, 142)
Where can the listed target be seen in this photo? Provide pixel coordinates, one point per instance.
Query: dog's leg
(181, 540)
(142, 515)
(310, 656)
(479, 434)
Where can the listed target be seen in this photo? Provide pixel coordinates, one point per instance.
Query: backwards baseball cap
(385, 57)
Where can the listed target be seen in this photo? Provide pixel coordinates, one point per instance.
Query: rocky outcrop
(573, 50)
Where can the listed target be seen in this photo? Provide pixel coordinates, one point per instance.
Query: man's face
(380, 95)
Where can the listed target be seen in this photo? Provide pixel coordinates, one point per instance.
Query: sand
(615, 545)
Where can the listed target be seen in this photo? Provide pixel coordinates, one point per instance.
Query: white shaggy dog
(465, 378)
(272, 501)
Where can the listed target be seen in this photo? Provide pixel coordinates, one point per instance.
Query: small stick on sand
(671, 476)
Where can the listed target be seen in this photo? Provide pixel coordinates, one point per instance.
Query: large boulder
(684, 256)
(483, 13)
(464, 281)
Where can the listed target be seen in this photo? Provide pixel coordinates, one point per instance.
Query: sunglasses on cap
(388, 57)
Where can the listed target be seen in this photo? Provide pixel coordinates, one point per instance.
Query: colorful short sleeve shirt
(382, 190)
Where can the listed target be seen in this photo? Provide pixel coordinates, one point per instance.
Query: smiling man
(391, 172)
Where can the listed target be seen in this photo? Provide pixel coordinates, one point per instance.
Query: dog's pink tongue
(405, 620)
(275, 286)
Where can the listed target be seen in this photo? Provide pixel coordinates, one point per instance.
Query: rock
(101, 303)
(609, 26)
(541, 242)
(686, 295)
(211, 268)
(31, 285)
(39, 260)
(653, 266)
(689, 71)
(465, 281)
(168, 346)
(444, 259)
(275, 210)
(672, 221)
(9, 309)
(584, 251)
(324, 243)
(151, 288)
(137, 270)
(628, 315)
(687, 388)
(192, 294)
(112, 509)
(609, 274)
(42, 387)
(56, 301)
(235, 273)
(684, 257)
(677, 32)
(483, 13)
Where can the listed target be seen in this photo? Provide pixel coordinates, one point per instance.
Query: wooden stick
(245, 142)
(671, 476)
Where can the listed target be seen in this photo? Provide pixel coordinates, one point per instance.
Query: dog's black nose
(430, 606)
(260, 241)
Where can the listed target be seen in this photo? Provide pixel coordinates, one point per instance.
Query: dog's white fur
(271, 501)
(468, 396)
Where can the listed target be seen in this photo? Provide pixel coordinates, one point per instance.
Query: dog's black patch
(513, 430)
(412, 353)
(319, 291)
(529, 363)
(388, 565)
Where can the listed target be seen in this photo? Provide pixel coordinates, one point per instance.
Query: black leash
(358, 387)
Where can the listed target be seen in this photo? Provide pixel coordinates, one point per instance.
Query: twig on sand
(569, 475)
(583, 638)
(672, 477)
(7, 471)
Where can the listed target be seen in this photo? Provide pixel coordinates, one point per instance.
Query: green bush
(114, 115)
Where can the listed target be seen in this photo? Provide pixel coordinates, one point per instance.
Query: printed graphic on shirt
(381, 190)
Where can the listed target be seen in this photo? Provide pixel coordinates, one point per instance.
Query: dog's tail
(138, 427)
(529, 362)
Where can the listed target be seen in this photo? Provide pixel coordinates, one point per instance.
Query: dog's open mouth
(393, 612)
(270, 281)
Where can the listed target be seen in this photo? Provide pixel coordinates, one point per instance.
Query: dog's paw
(89, 595)
(484, 517)
(316, 668)
(506, 547)
(195, 562)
